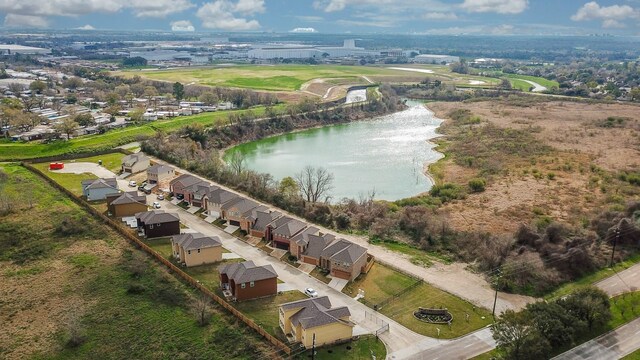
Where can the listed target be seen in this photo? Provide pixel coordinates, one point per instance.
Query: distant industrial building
(435, 59)
(304, 52)
(9, 49)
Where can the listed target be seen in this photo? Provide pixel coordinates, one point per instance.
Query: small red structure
(56, 166)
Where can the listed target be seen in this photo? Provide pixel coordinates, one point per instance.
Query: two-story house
(157, 223)
(196, 249)
(247, 281)
(126, 204)
(282, 230)
(134, 163)
(98, 189)
(160, 173)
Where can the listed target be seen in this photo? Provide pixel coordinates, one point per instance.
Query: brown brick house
(238, 212)
(300, 241)
(263, 218)
(282, 230)
(199, 193)
(344, 259)
(157, 223)
(247, 281)
(180, 185)
(217, 198)
(312, 251)
(126, 204)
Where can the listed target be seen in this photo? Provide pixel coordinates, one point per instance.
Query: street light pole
(495, 298)
(615, 241)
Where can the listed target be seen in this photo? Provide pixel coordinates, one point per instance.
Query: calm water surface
(387, 154)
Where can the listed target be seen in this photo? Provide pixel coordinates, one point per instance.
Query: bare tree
(68, 126)
(237, 162)
(314, 183)
(202, 309)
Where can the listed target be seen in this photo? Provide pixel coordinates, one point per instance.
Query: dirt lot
(577, 178)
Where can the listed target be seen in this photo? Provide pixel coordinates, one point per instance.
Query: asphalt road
(612, 345)
(621, 282)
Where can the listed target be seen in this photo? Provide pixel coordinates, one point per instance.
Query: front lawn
(363, 348)
(383, 283)
(265, 311)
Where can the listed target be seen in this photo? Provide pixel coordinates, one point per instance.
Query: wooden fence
(118, 227)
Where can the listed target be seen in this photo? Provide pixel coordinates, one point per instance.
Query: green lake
(387, 154)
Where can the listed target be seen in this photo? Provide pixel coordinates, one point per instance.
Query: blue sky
(500, 17)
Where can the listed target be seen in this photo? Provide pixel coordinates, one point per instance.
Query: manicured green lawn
(516, 81)
(633, 356)
(114, 138)
(594, 277)
(361, 349)
(383, 282)
(265, 311)
(111, 161)
(261, 77)
(161, 245)
(320, 275)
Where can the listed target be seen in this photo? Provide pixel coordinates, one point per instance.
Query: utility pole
(313, 347)
(615, 241)
(495, 298)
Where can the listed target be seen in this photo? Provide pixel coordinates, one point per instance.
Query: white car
(310, 292)
(132, 183)
(156, 205)
(160, 197)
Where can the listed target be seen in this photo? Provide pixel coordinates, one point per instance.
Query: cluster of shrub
(543, 329)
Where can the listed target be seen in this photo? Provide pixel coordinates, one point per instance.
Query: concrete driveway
(95, 169)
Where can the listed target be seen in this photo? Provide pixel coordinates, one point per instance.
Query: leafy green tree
(38, 86)
(84, 119)
(67, 126)
(590, 305)
(288, 187)
(517, 338)
(555, 323)
(178, 91)
(136, 115)
(208, 98)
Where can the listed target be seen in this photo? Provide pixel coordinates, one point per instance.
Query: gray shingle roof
(302, 238)
(264, 218)
(316, 312)
(159, 169)
(289, 228)
(129, 160)
(242, 204)
(156, 217)
(317, 244)
(130, 197)
(201, 190)
(100, 183)
(252, 214)
(196, 241)
(186, 180)
(221, 196)
(247, 271)
(343, 251)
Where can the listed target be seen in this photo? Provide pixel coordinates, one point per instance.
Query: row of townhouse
(342, 258)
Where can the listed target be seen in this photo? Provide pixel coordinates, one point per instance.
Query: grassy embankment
(114, 138)
(382, 283)
(73, 288)
(518, 83)
(272, 78)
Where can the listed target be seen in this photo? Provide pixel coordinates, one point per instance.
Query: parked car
(133, 183)
(160, 197)
(156, 205)
(310, 292)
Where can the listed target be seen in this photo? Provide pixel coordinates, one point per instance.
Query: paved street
(621, 282)
(612, 345)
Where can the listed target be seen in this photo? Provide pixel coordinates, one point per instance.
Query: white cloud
(221, 14)
(250, 7)
(27, 21)
(303, 30)
(611, 16)
(86, 27)
(440, 16)
(141, 8)
(496, 6)
(182, 25)
(310, 18)
(386, 6)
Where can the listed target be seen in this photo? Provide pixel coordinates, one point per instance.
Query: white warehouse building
(305, 52)
(435, 59)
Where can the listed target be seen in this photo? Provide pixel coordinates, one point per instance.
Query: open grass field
(63, 273)
(265, 311)
(360, 349)
(114, 138)
(383, 282)
(516, 81)
(260, 77)
(633, 356)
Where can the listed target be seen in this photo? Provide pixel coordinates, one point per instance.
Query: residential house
(344, 259)
(247, 281)
(98, 189)
(182, 183)
(135, 163)
(305, 319)
(196, 249)
(282, 230)
(126, 204)
(263, 219)
(217, 198)
(299, 242)
(238, 212)
(199, 193)
(157, 223)
(159, 173)
(312, 251)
